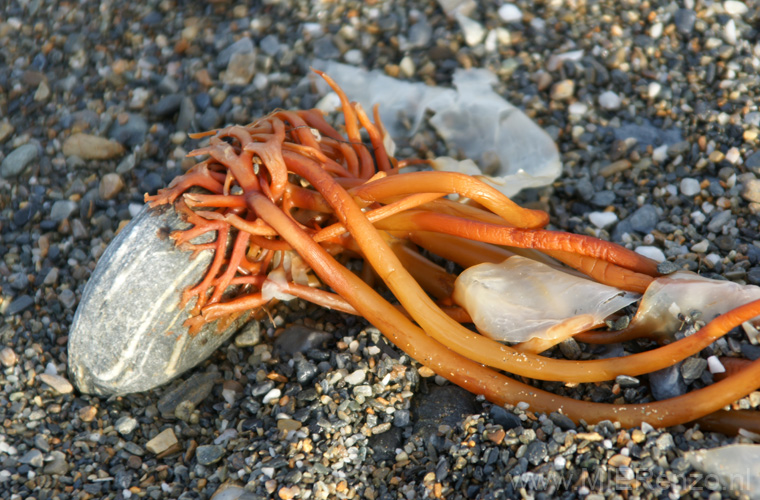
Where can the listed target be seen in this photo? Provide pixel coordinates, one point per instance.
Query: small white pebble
(698, 217)
(646, 428)
(733, 155)
(659, 154)
(653, 253)
(356, 377)
(602, 219)
(510, 13)
(700, 247)
(712, 259)
(715, 366)
(610, 100)
(656, 30)
(577, 109)
(607, 444)
(473, 31)
(522, 405)
(751, 331)
(559, 462)
(735, 7)
(689, 186)
(653, 89)
(272, 395)
(729, 32)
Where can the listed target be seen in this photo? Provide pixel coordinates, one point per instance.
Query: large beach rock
(128, 334)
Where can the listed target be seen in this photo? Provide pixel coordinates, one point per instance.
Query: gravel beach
(653, 106)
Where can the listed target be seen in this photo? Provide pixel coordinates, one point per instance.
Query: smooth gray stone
(128, 334)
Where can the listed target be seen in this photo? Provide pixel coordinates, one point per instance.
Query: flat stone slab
(128, 334)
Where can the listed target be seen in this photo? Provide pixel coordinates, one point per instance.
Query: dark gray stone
(667, 383)
(299, 338)
(684, 20)
(506, 419)
(536, 452)
(644, 219)
(132, 132)
(753, 162)
(193, 390)
(448, 404)
(19, 305)
(209, 454)
(128, 334)
(186, 115)
(562, 421)
(167, 106)
(62, 209)
(18, 160)
(384, 445)
(324, 48)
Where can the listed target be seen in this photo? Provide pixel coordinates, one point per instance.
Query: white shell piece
(512, 152)
(684, 293)
(521, 299)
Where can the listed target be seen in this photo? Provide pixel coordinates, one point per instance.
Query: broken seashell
(521, 299)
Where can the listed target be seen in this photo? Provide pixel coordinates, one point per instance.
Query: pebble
(667, 383)
(271, 396)
(57, 383)
(610, 100)
(6, 129)
(355, 378)
(473, 31)
(563, 90)
(125, 425)
(19, 304)
(209, 454)
(685, 20)
(32, 457)
(18, 160)
(735, 7)
(653, 253)
(536, 452)
(249, 335)
(603, 220)
(193, 390)
(165, 440)
(62, 209)
(241, 68)
(510, 13)
(653, 89)
(110, 186)
(751, 190)
(644, 219)
(130, 132)
(689, 186)
(90, 147)
(718, 220)
(299, 338)
(8, 357)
